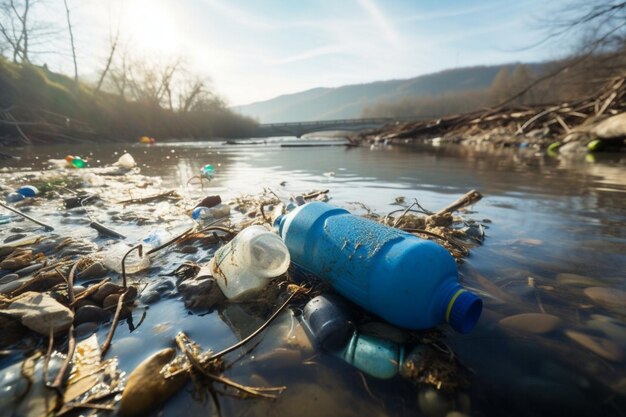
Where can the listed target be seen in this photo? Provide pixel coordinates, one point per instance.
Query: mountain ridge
(348, 101)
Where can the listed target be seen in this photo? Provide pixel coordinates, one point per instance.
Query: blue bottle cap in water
(463, 311)
(28, 190)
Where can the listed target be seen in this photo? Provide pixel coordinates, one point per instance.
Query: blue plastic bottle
(408, 281)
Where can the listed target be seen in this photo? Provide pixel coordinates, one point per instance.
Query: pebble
(88, 313)
(29, 269)
(538, 323)
(106, 290)
(12, 385)
(600, 346)
(150, 297)
(40, 313)
(13, 285)
(609, 298)
(8, 278)
(576, 280)
(95, 270)
(165, 286)
(84, 330)
(433, 403)
(15, 237)
(614, 329)
(17, 230)
(146, 387)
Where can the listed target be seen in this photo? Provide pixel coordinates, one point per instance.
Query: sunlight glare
(153, 28)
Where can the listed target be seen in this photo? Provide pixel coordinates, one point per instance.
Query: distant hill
(348, 101)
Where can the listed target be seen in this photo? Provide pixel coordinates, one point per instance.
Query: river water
(554, 228)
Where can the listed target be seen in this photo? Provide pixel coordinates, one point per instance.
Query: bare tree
(14, 27)
(113, 41)
(69, 28)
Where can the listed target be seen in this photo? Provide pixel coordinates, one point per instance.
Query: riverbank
(592, 124)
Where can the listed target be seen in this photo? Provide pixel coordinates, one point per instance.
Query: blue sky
(255, 50)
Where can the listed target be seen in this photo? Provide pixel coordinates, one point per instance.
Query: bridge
(302, 128)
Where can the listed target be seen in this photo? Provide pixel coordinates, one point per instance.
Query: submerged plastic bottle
(373, 355)
(408, 281)
(327, 322)
(206, 214)
(249, 261)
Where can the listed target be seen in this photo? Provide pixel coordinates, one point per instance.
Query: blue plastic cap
(465, 312)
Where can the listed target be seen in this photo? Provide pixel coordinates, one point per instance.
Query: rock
(611, 128)
(13, 285)
(95, 270)
(598, 345)
(433, 403)
(8, 278)
(150, 297)
(88, 314)
(201, 293)
(15, 237)
(276, 359)
(85, 330)
(106, 290)
(576, 280)
(614, 329)
(12, 385)
(147, 387)
(609, 298)
(40, 313)
(29, 269)
(538, 323)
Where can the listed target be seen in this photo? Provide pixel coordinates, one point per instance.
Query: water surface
(546, 218)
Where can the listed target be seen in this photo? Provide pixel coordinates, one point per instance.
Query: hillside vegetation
(40, 106)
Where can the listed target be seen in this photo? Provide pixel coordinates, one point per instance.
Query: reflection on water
(557, 227)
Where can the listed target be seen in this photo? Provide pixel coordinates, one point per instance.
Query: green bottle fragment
(78, 162)
(594, 145)
(208, 171)
(554, 146)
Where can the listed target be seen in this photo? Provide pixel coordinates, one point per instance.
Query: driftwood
(555, 120)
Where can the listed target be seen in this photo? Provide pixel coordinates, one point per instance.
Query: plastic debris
(208, 171)
(206, 214)
(249, 261)
(126, 161)
(78, 162)
(422, 270)
(14, 197)
(28, 191)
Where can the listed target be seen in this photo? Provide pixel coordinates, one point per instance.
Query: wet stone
(15, 237)
(17, 230)
(576, 280)
(41, 313)
(609, 298)
(598, 345)
(538, 323)
(84, 330)
(8, 278)
(95, 270)
(146, 386)
(612, 328)
(89, 313)
(150, 297)
(201, 293)
(106, 290)
(29, 269)
(433, 403)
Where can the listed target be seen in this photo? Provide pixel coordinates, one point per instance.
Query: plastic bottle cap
(197, 212)
(464, 311)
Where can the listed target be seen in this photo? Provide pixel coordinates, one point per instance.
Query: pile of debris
(597, 121)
